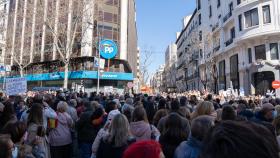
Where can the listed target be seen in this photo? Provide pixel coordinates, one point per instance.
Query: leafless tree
(145, 63)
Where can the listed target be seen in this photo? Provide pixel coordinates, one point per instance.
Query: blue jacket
(188, 149)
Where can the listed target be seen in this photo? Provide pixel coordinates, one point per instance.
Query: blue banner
(80, 75)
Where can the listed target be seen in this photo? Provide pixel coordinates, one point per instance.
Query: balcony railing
(215, 26)
(217, 48)
(227, 16)
(229, 42)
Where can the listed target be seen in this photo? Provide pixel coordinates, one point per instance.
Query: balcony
(215, 27)
(216, 48)
(229, 42)
(227, 16)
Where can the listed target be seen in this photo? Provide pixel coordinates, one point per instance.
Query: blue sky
(157, 24)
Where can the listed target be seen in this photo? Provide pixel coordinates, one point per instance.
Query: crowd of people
(189, 125)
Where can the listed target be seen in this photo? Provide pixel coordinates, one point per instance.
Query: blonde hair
(119, 131)
(62, 106)
(203, 108)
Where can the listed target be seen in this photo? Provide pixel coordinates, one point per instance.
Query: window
(251, 18)
(199, 19)
(249, 55)
(210, 11)
(231, 7)
(222, 75)
(108, 17)
(240, 22)
(200, 35)
(198, 4)
(218, 3)
(232, 33)
(234, 74)
(260, 52)
(266, 14)
(274, 51)
(238, 2)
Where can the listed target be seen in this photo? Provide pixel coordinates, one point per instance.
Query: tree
(145, 63)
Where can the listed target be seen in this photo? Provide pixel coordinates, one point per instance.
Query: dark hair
(209, 97)
(183, 101)
(174, 127)
(35, 114)
(233, 139)
(139, 114)
(110, 106)
(38, 99)
(175, 105)
(228, 113)
(5, 152)
(162, 104)
(16, 130)
(8, 113)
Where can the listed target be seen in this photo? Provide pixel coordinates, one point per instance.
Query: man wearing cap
(265, 116)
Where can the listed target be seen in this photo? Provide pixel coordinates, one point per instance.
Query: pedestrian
(173, 135)
(118, 139)
(8, 115)
(204, 108)
(140, 126)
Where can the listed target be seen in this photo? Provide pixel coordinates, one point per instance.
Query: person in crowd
(144, 149)
(7, 147)
(16, 131)
(173, 135)
(118, 139)
(228, 113)
(80, 106)
(175, 108)
(150, 108)
(71, 110)
(204, 108)
(20, 108)
(8, 115)
(60, 137)
(159, 114)
(192, 147)
(243, 139)
(265, 116)
(140, 126)
(128, 105)
(103, 132)
(111, 106)
(36, 130)
(86, 130)
(276, 125)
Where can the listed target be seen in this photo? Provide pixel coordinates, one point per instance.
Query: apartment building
(40, 31)
(239, 45)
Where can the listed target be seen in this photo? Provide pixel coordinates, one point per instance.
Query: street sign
(130, 85)
(276, 84)
(101, 63)
(108, 49)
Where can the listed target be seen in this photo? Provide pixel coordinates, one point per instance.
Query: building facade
(240, 44)
(156, 81)
(59, 30)
(4, 5)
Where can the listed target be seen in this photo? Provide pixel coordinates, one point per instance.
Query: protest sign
(14, 86)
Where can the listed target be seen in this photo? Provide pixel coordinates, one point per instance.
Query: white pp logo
(108, 49)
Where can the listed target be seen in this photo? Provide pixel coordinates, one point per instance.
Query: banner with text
(15, 86)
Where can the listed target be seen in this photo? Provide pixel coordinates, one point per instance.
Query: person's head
(159, 114)
(110, 106)
(268, 111)
(209, 97)
(73, 102)
(62, 106)
(228, 113)
(6, 146)
(129, 101)
(203, 108)
(175, 105)
(200, 126)
(174, 128)
(183, 101)
(35, 114)
(162, 103)
(8, 111)
(16, 131)
(144, 149)
(119, 130)
(38, 99)
(139, 114)
(243, 139)
(277, 108)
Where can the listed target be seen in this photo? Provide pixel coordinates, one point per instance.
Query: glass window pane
(250, 55)
(274, 51)
(248, 22)
(260, 52)
(266, 14)
(108, 17)
(255, 17)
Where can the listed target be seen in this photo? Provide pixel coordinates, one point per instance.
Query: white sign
(101, 63)
(15, 86)
(108, 89)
